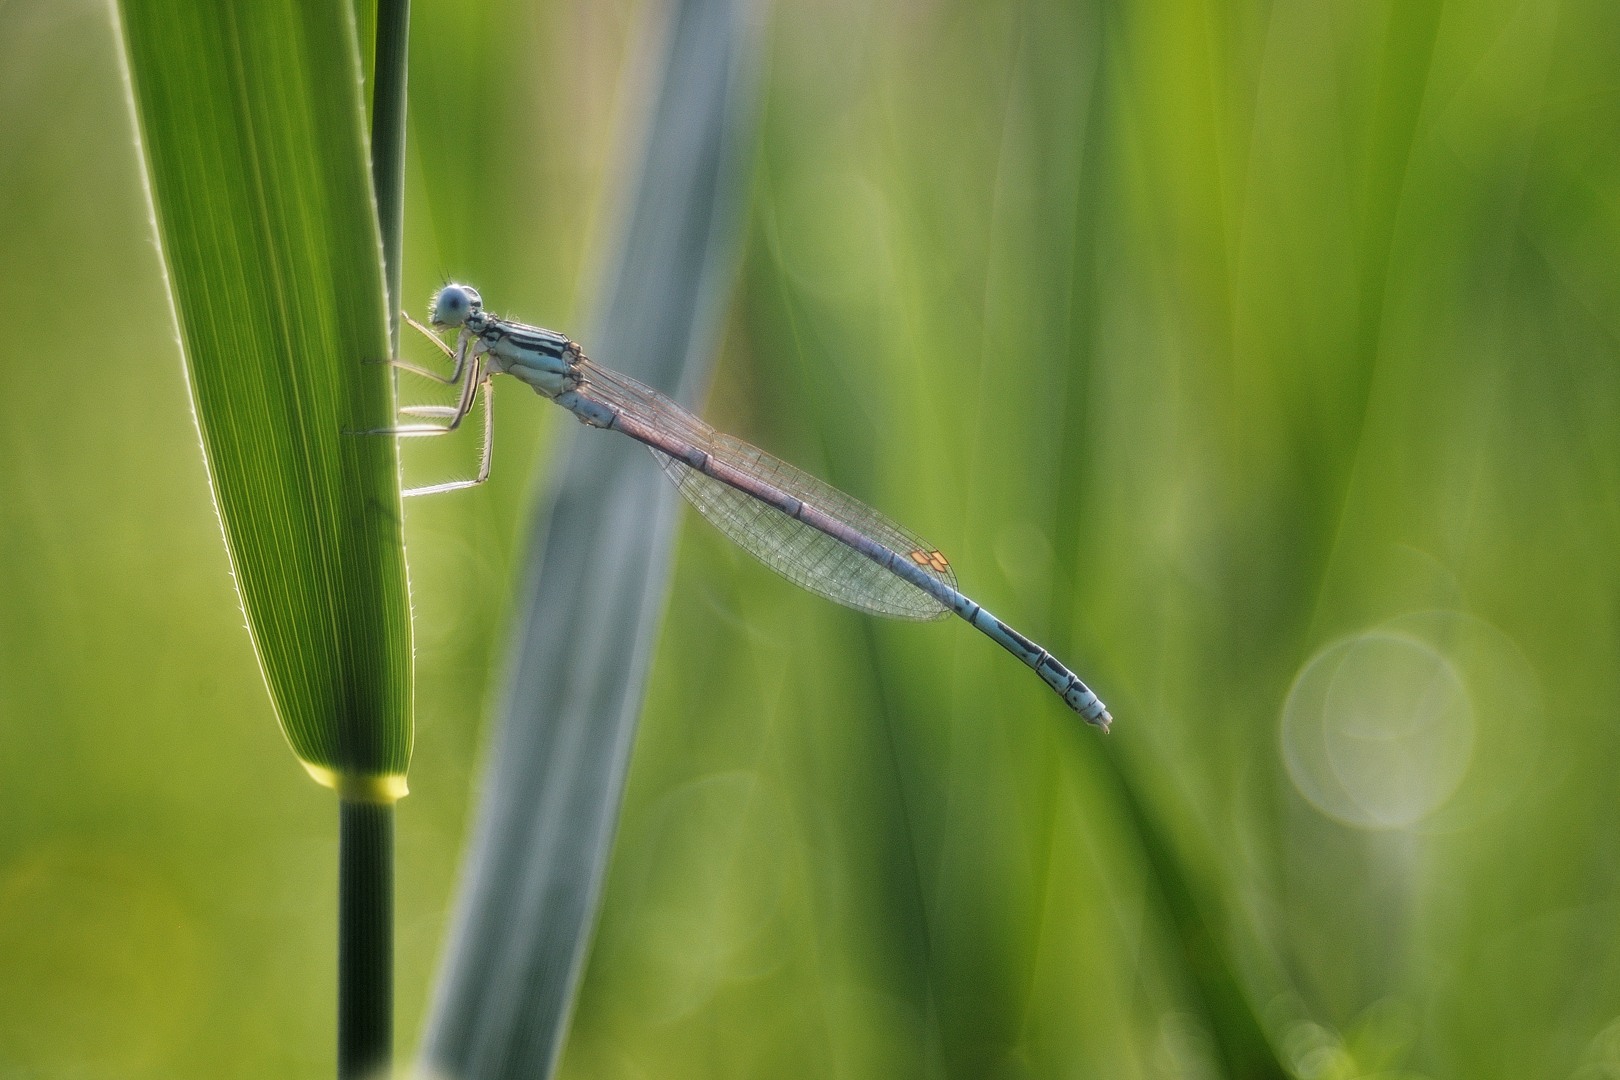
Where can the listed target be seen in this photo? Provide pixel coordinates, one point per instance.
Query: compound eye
(455, 304)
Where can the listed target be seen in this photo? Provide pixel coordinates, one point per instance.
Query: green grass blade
(1195, 923)
(1195, 918)
(256, 153)
(597, 575)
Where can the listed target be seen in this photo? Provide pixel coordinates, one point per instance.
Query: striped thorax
(543, 359)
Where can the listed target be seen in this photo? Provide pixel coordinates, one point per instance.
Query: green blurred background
(1259, 358)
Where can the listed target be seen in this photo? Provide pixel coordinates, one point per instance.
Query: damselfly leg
(457, 414)
(470, 377)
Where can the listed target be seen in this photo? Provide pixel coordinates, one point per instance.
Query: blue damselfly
(806, 530)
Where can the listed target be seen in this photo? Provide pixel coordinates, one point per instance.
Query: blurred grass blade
(598, 570)
(256, 153)
(1195, 930)
(1194, 919)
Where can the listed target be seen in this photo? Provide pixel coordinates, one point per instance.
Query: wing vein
(799, 552)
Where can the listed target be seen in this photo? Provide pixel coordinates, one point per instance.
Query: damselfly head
(454, 304)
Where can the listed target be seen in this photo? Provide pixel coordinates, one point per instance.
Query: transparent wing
(805, 556)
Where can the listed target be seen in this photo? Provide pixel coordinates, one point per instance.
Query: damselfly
(809, 532)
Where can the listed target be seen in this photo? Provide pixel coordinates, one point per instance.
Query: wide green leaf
(255, 146)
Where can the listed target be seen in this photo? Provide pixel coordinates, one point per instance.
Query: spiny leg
(458, 356)
(426, 373)
(475, 378)
(454, 414)
(428, 333)
(485, 457)
(488, 453)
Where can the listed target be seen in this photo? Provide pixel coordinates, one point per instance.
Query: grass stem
(388, 143)
(366, 829)
(365, 939)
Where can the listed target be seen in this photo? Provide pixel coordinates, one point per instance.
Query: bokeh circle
(1378, 730)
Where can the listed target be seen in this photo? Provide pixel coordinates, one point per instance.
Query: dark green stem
(366, 829)
(388, 143)
(365, 940)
